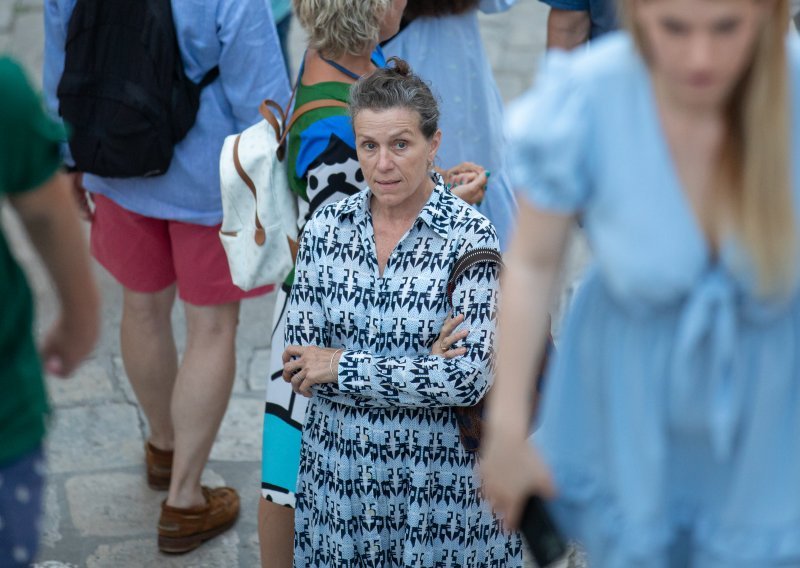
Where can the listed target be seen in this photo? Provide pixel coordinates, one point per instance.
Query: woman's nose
(700, 53)
(384, 160)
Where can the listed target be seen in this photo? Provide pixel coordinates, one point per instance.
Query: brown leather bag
(470, 418)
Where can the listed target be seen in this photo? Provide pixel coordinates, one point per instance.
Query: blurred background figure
(158, 236)
(30, 159)
(442, 43)
(672, 409)
(343, 38)
(571, 23)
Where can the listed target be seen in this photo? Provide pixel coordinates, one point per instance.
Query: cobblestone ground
(99, 511)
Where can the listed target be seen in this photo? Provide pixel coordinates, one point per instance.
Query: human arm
(467, 181)
(511, 469)
(307, 366)
(567, 29)
(250, 62)
(429, 380)
(50, 218)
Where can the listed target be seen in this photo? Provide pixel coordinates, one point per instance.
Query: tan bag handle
(281, 129)
(260, 236)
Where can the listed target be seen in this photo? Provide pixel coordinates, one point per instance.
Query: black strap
(467, 261)
(209, 77)
(340, 68)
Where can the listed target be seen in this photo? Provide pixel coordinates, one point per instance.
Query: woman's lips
(700, 80)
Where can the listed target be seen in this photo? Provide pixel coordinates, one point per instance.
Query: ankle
(161, 442)
(186, 497)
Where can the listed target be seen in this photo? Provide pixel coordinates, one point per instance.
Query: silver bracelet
(330, 365)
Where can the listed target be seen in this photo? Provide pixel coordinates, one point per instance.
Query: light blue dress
(671, 419)
(448, 53)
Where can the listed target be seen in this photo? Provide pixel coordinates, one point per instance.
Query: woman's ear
(433, 145)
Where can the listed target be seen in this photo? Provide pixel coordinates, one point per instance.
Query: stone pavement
(99, 511)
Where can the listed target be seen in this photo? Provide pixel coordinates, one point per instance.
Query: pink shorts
(147, 255)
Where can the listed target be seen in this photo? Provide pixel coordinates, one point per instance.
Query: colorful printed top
(322, 161)
(384, 479)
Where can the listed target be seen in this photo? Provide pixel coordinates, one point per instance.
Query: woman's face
(391, 20)
(395, 156)
(699, 49)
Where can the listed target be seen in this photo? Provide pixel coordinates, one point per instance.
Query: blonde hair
(754, 171)
(337, 27)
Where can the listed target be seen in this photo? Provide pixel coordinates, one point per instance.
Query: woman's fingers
(292, 351)
(453, 353)
(450, 324)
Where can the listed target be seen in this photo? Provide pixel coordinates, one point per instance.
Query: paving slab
(222, 551)
(91, 383)
(94, 438)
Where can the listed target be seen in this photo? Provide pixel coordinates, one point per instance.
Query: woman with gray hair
(385, 479)
(323, 167)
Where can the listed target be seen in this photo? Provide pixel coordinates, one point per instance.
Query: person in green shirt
(31, 180)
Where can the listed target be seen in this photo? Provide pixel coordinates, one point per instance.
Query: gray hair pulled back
(392, 87)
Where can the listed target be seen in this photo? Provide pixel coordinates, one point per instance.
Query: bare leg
(150, 357)
(200, 397)
(275, 534)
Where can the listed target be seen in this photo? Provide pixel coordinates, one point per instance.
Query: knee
(148, 311)
(213, 323)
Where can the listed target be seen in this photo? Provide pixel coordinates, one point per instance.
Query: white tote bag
(259, 211)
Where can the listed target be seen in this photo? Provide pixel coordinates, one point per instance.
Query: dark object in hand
(540, 533)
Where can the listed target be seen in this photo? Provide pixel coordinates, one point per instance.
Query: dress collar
(435, 212)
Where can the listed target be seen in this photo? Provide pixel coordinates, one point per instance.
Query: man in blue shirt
(574, 22)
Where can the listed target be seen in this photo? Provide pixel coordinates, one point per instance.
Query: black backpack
(124, 91)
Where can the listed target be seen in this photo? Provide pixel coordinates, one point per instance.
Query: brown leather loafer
(182, 530)
(159, 467)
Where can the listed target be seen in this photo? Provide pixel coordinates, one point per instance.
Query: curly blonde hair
(336, 27)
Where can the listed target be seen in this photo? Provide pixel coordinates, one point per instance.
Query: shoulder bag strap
(467, 261)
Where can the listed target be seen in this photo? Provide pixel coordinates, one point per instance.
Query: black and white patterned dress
(384, 480)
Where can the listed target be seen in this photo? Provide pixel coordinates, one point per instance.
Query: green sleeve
(29, 144)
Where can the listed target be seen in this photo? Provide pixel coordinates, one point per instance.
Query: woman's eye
(727, 26)
(674, 27)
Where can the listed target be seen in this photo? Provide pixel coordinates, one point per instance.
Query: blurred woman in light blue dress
(442, 43)
(671, 417)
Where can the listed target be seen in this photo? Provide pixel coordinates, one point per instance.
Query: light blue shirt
(237, 35)
(448, 53)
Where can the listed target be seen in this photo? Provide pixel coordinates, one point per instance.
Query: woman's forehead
(386, 122)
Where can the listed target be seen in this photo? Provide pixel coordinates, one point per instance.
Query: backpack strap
(467, 261)
(270, 108)
(260, 235)
(308, 107)
(209, 78)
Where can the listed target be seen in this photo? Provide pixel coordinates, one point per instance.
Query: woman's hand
(306, 366)
(511, 471)
(443, 346)
(467, 181)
